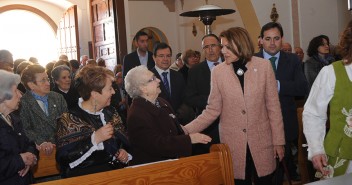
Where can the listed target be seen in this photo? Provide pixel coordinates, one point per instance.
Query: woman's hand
(122, 155)
(47, 147)
(319, 162)
(104, 133)
(279, 151)
(199, 138)
(24, 171)
(29, 159)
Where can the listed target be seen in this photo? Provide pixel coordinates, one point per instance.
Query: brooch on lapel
(172, 115)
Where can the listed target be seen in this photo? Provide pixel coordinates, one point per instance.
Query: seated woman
(40, 108)
(91, 137)
(153, 129)
(17, 153)
(62, 78)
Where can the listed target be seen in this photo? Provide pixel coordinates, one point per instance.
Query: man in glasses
(198, 88)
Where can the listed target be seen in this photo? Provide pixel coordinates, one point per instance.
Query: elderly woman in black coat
(17, 153)
(153, 129)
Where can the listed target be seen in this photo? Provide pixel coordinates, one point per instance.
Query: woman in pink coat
(244, 94)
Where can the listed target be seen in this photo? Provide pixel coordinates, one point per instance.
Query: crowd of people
(151, 109)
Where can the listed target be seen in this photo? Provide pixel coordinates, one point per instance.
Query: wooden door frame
(120, 26)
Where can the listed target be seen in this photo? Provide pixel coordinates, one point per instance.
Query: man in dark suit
(139, 57)
(172, 84)
(291, 82)
(198, 88)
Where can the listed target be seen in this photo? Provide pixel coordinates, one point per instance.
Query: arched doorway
(155, 36)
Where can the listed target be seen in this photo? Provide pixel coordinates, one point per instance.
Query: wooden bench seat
(46, 166)
(214, 168)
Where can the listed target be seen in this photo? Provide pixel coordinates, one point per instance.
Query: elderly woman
(91, 137)
(153, 129)
(244, 94)
(40, 108)
(17, 153)
(62, 78)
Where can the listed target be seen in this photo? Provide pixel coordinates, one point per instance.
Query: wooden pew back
(46, 166)
(214, 168)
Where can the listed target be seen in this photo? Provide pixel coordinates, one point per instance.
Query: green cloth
(338, 146)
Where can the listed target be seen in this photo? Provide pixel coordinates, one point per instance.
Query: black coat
(292, 83)
(71, 96)
(74, 140)
(197, 93)
(13, 142)
(132, 60)
(154, 132)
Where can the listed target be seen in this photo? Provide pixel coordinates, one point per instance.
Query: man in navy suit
(172, 84)
(198, 88)
(291, 83)
(139, 57)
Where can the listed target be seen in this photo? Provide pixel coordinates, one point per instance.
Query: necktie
(272, 60)
(216, 63)
(166, 82)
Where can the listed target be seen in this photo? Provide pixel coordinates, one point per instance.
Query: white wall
(283, 8)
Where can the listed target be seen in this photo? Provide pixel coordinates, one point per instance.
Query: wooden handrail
(212, 168)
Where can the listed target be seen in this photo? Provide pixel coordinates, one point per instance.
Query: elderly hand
(104, 133)
(122, 156)
(279, 151)
(24, 171)
(29, 159)
(199, 138)
(47, 147)
(319, 162)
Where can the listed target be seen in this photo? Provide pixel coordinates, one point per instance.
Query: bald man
(286, 47)
(299, 52)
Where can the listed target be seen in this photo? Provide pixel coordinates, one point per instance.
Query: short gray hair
(55, 73)
(7, 80)
(134, 79)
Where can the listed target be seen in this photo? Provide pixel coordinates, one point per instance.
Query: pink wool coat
(253, 117)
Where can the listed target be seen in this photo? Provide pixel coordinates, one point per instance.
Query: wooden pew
(46, 166)
(214, 168)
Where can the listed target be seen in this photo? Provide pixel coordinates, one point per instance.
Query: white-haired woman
(153, 129)
(17, 153)
(62, 78)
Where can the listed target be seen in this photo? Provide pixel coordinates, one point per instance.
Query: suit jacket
(154, 133)
(292, 83)
(37, 125)
(132, 60)
(251, 118)
(197, 93)
(13, 142)
(177, 85)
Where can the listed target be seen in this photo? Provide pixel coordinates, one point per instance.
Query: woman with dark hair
(319, 53)
(331, 153)
(17, 153)
(62, 78)
(91, 137)
(244, 94)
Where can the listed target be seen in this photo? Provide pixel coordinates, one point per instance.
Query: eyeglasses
(164, 56)
(210, 46)
(152, 79)
(44, 80)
